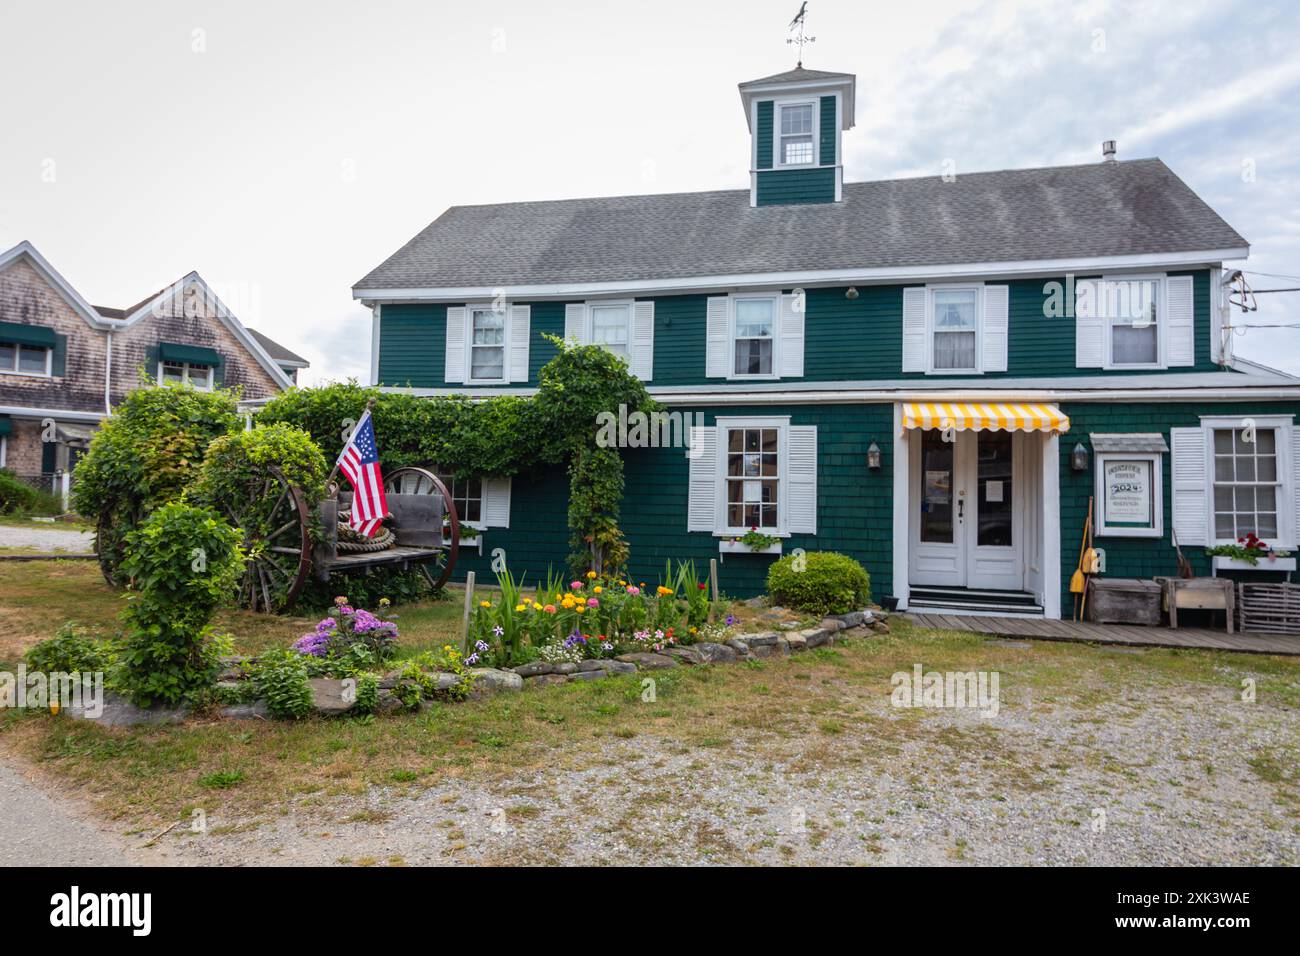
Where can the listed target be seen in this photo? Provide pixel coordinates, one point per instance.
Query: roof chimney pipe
(1108, 151)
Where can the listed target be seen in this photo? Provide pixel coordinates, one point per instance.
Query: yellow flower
(622, 584)
(484, 603)
(581, 609)
(591, 574)
(597, 589)
(518, 608)
(693, 631)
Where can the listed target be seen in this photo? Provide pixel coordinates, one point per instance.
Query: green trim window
(22, 359)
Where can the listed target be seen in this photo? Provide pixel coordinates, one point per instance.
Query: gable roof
(26, 251)
(1131, 208)
(277, 351)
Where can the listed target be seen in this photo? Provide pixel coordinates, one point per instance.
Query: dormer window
(796, 134)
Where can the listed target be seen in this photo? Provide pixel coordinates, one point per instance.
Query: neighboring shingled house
(64, 363)
(887, 369)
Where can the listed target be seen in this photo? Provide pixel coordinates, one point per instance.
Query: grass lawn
(807, 707)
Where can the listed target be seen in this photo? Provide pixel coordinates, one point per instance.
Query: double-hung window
(955, 329)
(1128, 310)
(611, 328)
(467, 494)
(185, 373)
(796, 146)
(753, 478)
(1247, 483)
(755, 335)
(487, 347)
(25, 359)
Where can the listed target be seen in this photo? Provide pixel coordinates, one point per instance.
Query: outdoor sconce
(1079, 458)
(873, 457)
(852, 293)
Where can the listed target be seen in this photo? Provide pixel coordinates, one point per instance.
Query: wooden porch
(1128, 634)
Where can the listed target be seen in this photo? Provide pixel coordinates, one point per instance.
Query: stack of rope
(350, 541)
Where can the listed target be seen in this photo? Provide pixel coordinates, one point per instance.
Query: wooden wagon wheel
(277, 541)
(412, 480)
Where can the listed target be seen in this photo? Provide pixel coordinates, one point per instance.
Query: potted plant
(752, 542)
(1250, 554)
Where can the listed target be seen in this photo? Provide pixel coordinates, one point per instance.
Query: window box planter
(1225, 563)
(726, 546)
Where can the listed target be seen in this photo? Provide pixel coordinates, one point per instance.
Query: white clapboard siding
(717, 361)
(520, 320)
(1180, 326)
(1190, 486)
(643, 340)
(702, 504)
(575, 323)
(790, 349)
(915, 353)
(1089, 330)
(454, 367)
(996, 320)
(496, 503)
(801, 475)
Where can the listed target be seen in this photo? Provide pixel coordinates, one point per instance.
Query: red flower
(702, 585)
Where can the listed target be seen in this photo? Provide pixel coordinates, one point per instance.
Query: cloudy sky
(284, 149)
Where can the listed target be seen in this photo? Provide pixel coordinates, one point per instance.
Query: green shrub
(184, 561)
(69, 651)
(367, 701)
(18, 497)
(819, 582)
(281, 677)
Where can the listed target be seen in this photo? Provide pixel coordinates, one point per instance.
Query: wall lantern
(852, 293)
(873, 457)
(1079, 458)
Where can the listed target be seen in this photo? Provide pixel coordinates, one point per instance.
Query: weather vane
(800, 40)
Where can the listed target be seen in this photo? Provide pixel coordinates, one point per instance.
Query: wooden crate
(1274, 608)
(1123, 601)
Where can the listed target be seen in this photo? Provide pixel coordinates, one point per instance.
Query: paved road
(46, 538)
(36, 830)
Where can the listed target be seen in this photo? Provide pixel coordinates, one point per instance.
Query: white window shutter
(702, 504)
(643, 340)
(454, 368)
(1089, 333)
(997, 300)
(1190, 486)
(1180, 325)
(1295, 486)
(790, 349)
(915, 353)
(801, 479)
(496, 503)
(575, 323)
(520, 316)
(717, 360)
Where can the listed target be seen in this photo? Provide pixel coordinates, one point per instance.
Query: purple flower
(472, 659)
(731, 619)
(481, 645)
(313, 645)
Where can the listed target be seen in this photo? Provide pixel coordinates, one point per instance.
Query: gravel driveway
(43, 537)
(1185, 775)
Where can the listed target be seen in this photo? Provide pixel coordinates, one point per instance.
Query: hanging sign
(1127, 489)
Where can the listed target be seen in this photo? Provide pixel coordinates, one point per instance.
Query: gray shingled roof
(796, 75)
(1067, 212)
(274, 349)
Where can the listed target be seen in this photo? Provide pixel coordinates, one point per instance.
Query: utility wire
(1271, 275)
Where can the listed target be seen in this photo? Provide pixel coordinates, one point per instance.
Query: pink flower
(633, 589)
(576, 585)
(592, 602)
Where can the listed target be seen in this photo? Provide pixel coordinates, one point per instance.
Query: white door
(966, 511)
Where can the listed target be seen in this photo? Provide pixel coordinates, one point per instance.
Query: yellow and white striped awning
(972, 416)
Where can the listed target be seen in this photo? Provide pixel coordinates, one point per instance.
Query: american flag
(360, 462)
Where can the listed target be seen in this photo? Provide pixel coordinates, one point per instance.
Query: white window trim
(777, 154)
(208, 386)
(479, 525)
(1284, 425)
(775, 298)
(470, 309)
(49, 361)
(930, 290)
(1157, 494)
(589, 321)
(1108, 322)
(782, 424)
(4, 450)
